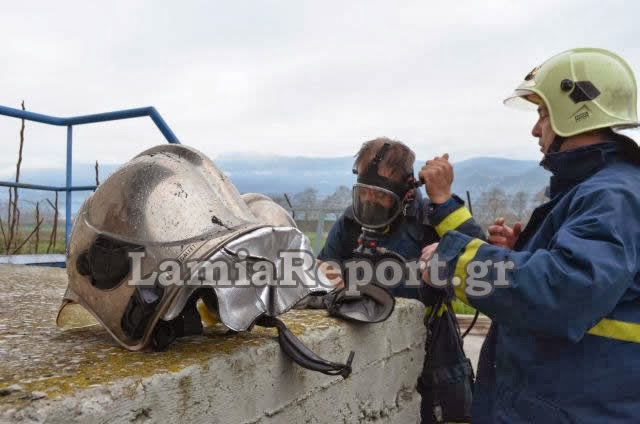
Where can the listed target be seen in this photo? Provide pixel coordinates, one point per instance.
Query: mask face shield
(375, 207)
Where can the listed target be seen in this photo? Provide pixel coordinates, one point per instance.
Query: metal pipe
(149, 111)
(67, 223)
(45, 188)
(31, 116)
(163, 127)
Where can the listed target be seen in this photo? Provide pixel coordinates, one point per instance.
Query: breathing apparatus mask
(377, 202)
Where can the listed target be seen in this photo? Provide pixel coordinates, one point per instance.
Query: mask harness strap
(401, 188)
(378, 158)
(302, 355)
(371, 177)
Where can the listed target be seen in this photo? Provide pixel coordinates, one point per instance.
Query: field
(30, 246)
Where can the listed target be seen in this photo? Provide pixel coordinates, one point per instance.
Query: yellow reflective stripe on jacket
(619, 330)
(453, 220)
(461, 269)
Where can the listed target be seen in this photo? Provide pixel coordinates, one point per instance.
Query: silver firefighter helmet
(139, 242)
(268, 211)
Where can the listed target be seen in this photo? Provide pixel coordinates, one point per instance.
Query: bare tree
(340, 199)
(495, 203)
(540, 197)
(308, 200)
(17, 249)
(491, 205)
(14, 213)
(4, 235)
(54, 231)
(519, 203)
(38, 227)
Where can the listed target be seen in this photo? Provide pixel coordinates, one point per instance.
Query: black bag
(447, 379)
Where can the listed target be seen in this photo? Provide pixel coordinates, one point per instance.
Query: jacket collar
(574, 166)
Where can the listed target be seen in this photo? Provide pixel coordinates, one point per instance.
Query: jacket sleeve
(564, 289)
(336, 243)
(453, 215)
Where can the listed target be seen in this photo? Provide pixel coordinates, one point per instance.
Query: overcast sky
(290, 77)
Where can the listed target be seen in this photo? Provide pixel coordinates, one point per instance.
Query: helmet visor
(523, 100)
(375, 207)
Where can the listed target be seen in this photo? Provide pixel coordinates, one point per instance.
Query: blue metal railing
(151, 112)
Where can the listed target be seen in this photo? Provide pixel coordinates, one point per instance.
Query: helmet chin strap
(558, 141)
(555, 146)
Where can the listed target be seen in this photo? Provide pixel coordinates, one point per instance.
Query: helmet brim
(522, 100)
(73, 315)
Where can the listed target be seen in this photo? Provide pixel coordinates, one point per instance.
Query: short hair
(398, 159)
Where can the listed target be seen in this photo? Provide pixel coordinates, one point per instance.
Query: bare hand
(437, 174)
(504, 236)
(426, 256)
(333, 274)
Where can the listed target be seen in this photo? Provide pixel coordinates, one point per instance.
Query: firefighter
(563, 293)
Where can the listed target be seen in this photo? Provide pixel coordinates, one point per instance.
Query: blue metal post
(67, 232)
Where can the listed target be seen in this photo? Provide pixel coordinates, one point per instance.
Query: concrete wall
(47, 375)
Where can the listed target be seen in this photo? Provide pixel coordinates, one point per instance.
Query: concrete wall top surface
(50, 375)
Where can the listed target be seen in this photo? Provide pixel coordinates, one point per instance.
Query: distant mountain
(288, 174)
(292, 175)
(276, 175)
(83, 174)
(481, 174)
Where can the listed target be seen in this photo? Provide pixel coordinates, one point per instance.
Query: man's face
(374, 196)
(369, 195)
(542, 129)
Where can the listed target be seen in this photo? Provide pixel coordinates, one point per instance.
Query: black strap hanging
(301, 354)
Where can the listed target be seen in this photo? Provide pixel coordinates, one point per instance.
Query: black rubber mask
(378, 200)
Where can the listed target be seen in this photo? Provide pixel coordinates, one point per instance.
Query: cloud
(290, 78)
